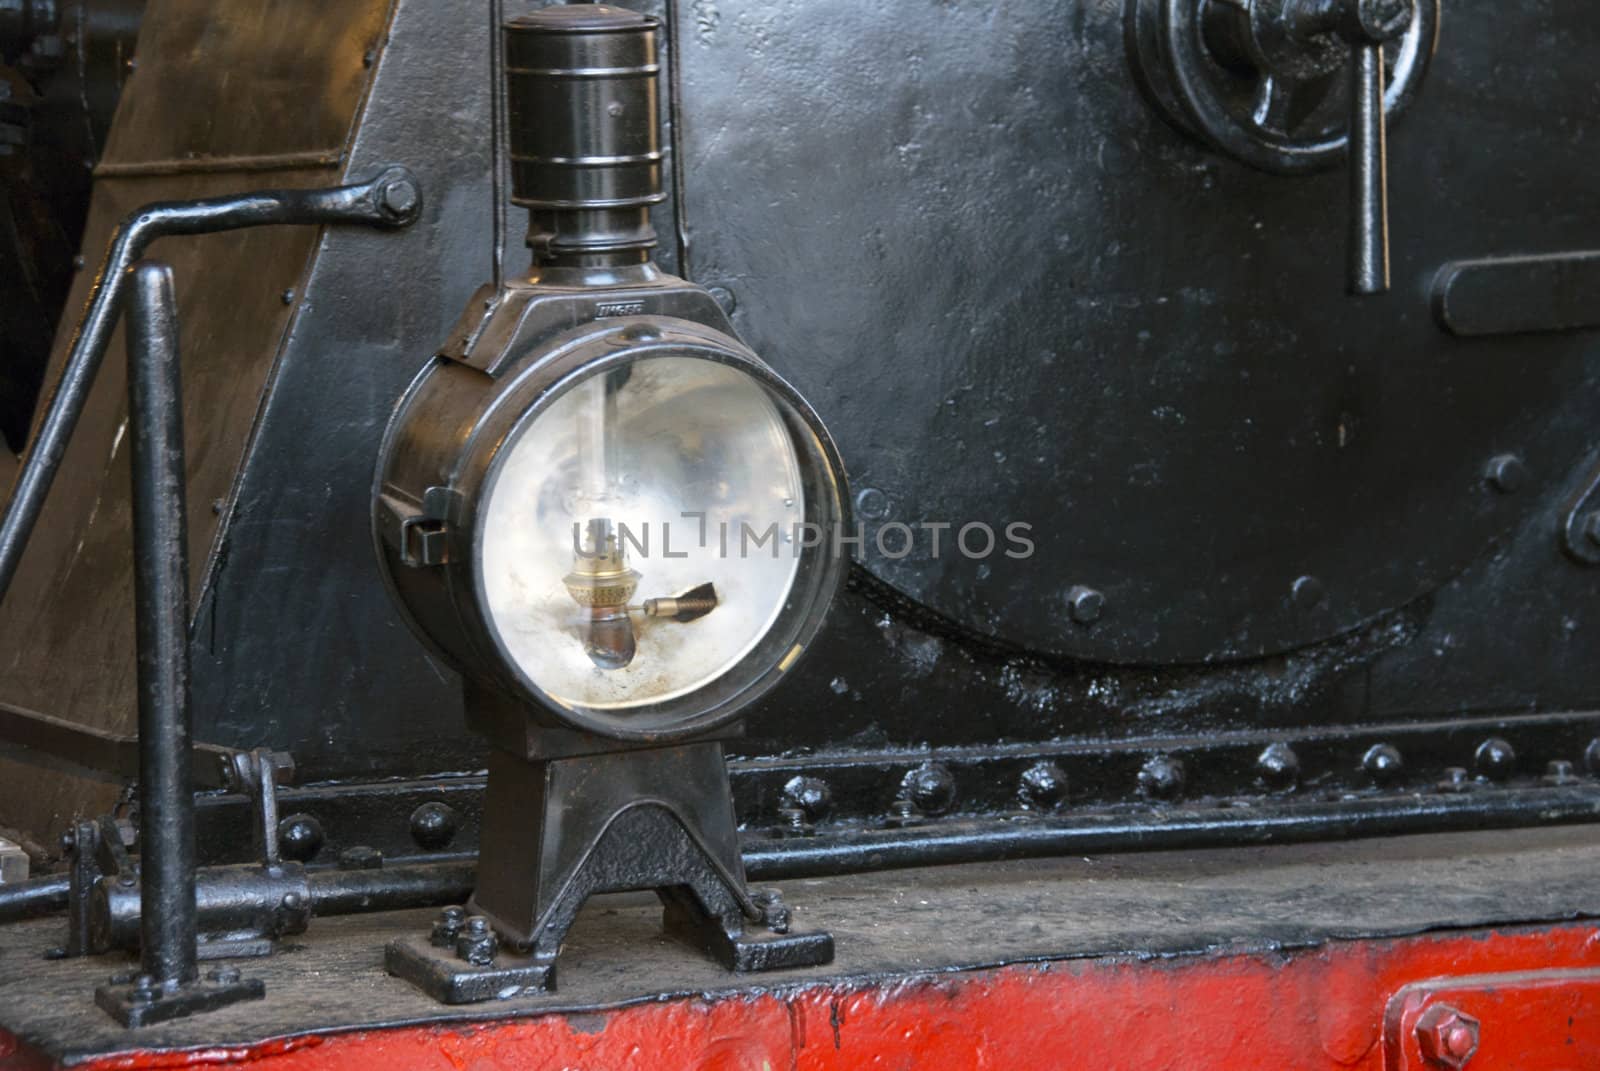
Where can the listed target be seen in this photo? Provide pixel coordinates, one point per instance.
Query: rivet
(1306, 592)
(872, 504)
(1506, 473)
(1042, 785)
(288, 296)
(1591, 757)
(1383, 763)
(1162, 777)
(1085, 603)
(1278, 766)
(300, 837)
(1495, 759)
(724, 297)
(434, 825)
(931, 787)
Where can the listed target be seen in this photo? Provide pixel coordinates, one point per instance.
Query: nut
(1447, 1037)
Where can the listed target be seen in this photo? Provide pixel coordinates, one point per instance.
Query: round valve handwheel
(1236, 75)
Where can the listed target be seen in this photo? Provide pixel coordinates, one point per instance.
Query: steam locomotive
(714, 533)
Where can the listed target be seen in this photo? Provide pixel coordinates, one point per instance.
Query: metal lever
(1369, 178)
(1366, 25)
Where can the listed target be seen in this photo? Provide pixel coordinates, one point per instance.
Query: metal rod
(390, 200)
(450, 879)
(33, 898)
(168, 915)
(1369, 198)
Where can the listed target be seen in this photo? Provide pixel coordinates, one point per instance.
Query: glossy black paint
(1015, 292)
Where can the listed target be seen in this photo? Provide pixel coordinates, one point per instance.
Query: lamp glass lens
(642, 533)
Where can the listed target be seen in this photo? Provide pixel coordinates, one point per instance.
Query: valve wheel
(1230, 73)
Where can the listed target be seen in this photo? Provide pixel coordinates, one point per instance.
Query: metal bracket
(561, 830)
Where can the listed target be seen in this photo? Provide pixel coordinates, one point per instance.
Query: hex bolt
(1506, 473)
(1456, 779)
(1383, 763)
(1162, 778)
(931, 787)
(1559, 772)
(1042, 786)
(224, 975)
(1306, 592)
(434, 825)
(810, 796)
(1278, 766)
(300, 837)
(478, 943)
(1495, 759)
(724, 298)
(399, 196)
(1085, 603)
(447, 927)
(1447, 1037)
(775, 914)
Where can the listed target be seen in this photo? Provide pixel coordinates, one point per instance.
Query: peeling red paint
(1319, 1009)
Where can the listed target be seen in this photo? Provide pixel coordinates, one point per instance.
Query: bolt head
(1447, 1037)
(1162, 778)
(1043, 786)
(1086, 604)
(931, 787)
(811, 796)
(1306, 591)
(1591, 756)
(1506, 473)
(1383, 763)
(1278, 766)
(400, 196)
(1495, 759)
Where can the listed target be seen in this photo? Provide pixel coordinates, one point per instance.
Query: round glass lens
(642, 534)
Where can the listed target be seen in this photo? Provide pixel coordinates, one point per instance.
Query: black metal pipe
(168, 916)
(1369, 196)
(450, 879)
(33, 898)
(390, 200)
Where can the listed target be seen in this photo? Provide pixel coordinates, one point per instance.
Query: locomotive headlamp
(615, 521)
(626, 526)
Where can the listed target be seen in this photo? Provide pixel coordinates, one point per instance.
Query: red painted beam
(1321, 1009)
